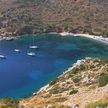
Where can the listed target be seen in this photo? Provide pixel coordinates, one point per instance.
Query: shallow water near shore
(21, 75)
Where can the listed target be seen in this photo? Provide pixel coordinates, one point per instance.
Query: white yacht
(17, 50)
(33, 47)
(2, 56)
(31, 53)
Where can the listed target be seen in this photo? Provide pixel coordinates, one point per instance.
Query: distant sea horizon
(21, 75)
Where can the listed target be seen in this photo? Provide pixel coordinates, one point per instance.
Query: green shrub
(61, 99)
(103, 79)
(99, 104)
(75, 70)
(53, 81)
(62, 106)
(97, 30)
(92, 66)
(76, 80)
(54, 91)
(47, 96)
(82, 67)
(104, 33)
(70, 76)
(102, 74)
(106, 26)
(96, 60)
(52, 106)
(9, 103)
(73, 92)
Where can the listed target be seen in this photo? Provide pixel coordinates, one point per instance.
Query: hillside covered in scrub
(20, 17)
(84, 85)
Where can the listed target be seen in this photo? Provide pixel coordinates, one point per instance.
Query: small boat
(33, 47)
(2, 57)
(17, 50)
(9, 39)
(31, 53)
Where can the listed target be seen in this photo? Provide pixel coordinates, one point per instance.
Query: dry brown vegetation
(64, 91)
(36, 16)
(83, 86)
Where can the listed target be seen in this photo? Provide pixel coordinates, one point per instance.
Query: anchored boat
(31, 54)
(2, 57)
(17, 50)
(33, 47)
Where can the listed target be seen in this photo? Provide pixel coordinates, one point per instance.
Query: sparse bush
(73, 92)
(75, 70)
(52, 106)
(103, 79)
(96, 60)
(99, 104)
(97, 30)
(82, 67)
(76, 80)
(9, 103)
(53, 81)
(62, 106)
(61, 99)
(54, 91)
(104, 33)
(106, 26)
(47, 96)
(92, 66)
(70, 76)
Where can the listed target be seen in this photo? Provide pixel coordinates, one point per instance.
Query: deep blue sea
(21, 75)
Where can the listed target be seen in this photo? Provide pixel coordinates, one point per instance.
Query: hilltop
(20, 17)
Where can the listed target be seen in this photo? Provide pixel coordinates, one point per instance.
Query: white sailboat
(33, 46)
(2, 56)
(17, 50)
(31, 54)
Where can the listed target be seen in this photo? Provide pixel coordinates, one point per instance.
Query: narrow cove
(21, 75)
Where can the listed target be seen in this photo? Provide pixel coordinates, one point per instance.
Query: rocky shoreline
(77, 87)
(97, 38)
(67, 70)
(7, 38)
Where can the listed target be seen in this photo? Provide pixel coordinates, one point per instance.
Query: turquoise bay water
(21, 75)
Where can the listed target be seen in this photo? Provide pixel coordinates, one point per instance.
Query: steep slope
(35, 16)
(84, 83)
